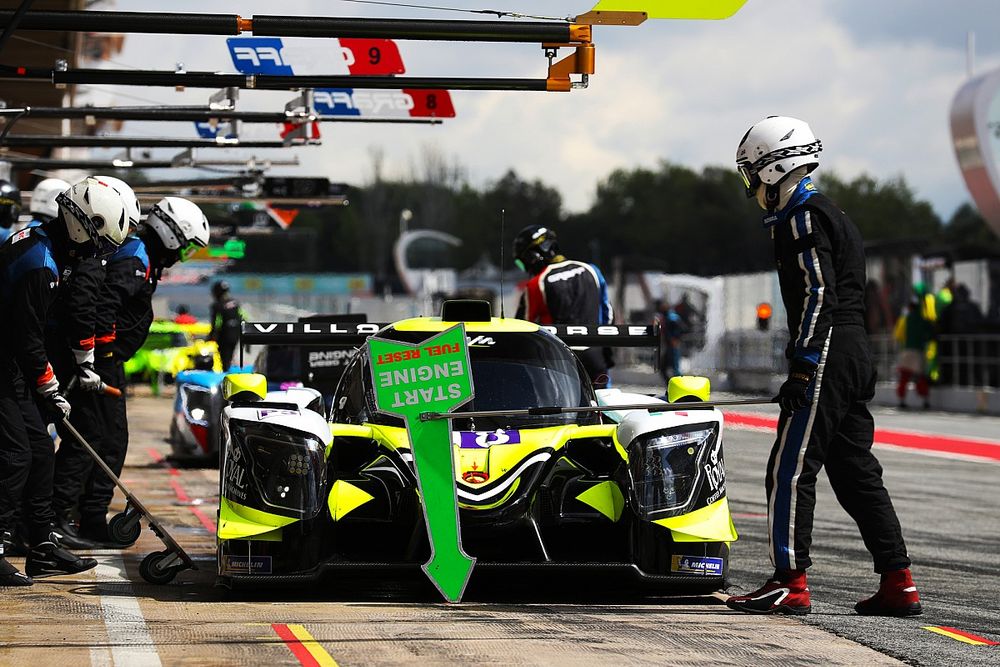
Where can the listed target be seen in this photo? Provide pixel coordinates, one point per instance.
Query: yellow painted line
(961, 636)
(309, 642)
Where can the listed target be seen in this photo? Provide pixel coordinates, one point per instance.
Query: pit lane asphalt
(947, 507)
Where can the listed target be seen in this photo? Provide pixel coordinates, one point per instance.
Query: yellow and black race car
(305, 493)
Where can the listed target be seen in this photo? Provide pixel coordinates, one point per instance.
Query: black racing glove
(86, 377)
(794, 393)
(54, 407)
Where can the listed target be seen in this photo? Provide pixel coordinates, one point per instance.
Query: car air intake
(466, 310)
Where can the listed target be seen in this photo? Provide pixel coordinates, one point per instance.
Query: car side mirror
(244, 386)
(688, 389)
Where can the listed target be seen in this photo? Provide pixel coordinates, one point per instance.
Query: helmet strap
(772, 197)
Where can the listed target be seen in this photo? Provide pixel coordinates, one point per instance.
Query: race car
(169, 349)
(637, 492)
(194, 425)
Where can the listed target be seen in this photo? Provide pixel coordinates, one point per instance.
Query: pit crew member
(10, 208)
(226, 317)
(824, 413)
(33, 263)
(70, 345)
(563, 291)
(174, 229)
(43, 206)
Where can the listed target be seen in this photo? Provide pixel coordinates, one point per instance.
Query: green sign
(231, 249)
(432, 376)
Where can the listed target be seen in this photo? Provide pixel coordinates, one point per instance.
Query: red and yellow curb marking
(961, 635)
(303, 646)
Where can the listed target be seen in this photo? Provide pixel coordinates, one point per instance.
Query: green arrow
(449, 567)
(410, 379)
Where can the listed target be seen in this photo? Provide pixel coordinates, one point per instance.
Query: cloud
(876, 85)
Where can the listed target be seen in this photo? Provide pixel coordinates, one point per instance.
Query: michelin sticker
(247, 565)
(703, 565)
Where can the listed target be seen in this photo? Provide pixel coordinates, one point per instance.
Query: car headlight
(286, 470)
(196, 402)
(664, 467)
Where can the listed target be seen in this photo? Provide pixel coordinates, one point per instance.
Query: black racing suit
(70, 339)
(821, 271)
(226, 318)
(29, 283)
(124, 314)
(571, 292)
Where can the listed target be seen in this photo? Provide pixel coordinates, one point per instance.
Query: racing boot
(897, 596)
(16, 546)
(49, 558)
(69, 535)
(784, 593)
(10, 575)
(95, 529)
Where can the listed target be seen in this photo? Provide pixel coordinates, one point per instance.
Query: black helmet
(10, 204)
(220, 288)
(534, 248)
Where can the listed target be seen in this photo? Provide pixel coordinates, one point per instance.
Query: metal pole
(56, 163)
(970, 53)
(197, 114)
(51, 141)
(417, 29)
(541, 411)
(16, 18)
(303, 26)
(275, 82)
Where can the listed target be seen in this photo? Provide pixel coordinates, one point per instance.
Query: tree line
(671, 218)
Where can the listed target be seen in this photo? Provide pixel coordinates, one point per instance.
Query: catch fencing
(963, 361)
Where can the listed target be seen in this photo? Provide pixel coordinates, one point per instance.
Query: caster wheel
(150, 568)
(122, 533)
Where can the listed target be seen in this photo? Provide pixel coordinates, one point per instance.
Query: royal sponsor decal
(715, 469)
(235, 474)
(703, 565)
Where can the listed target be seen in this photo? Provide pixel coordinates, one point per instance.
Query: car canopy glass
(517, 370)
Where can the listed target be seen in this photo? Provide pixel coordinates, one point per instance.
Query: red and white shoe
(784, 593)
(897, 596)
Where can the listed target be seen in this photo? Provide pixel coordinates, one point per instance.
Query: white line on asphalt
(128, 635)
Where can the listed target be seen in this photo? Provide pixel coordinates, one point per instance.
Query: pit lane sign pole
(410, 379)
(651, 407)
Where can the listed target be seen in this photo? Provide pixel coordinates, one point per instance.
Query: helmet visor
(188, 251)
(751, 180)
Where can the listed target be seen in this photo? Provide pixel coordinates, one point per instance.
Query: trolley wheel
(122, 533)
(151, 571)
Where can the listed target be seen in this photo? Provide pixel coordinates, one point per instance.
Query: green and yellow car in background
(171, 348)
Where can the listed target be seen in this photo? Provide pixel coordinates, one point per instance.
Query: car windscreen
(515, 371)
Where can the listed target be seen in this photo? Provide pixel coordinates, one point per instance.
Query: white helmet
(773, 148)
(180, 224)
(128, 195)
(43, 197)
(94, 212)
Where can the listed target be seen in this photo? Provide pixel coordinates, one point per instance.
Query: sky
(874, 78)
